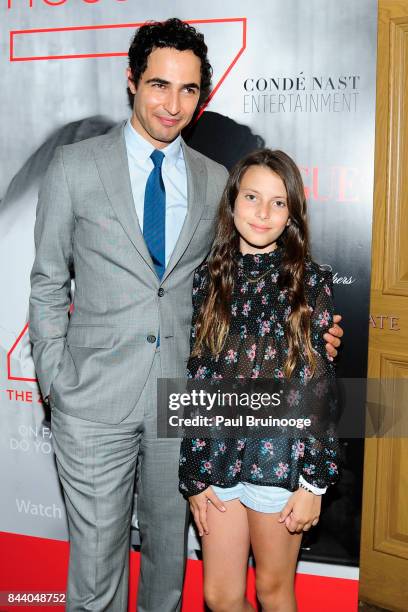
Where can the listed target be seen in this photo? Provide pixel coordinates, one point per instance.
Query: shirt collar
(141, 149)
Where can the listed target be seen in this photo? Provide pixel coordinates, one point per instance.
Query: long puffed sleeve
(192, 449)
(320, 465)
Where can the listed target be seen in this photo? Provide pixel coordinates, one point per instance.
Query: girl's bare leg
(225, 557)
(275, 550)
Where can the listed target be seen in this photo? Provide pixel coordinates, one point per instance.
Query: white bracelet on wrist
(309, 487)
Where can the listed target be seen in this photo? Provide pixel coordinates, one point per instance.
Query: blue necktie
(154, 215)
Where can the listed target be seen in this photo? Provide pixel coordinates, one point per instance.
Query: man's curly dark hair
(172, 33)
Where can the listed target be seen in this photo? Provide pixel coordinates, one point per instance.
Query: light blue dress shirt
(174, 178)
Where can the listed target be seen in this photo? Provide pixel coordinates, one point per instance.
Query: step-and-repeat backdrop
(299, 76)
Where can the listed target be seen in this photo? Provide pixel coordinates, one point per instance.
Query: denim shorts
(256, 497)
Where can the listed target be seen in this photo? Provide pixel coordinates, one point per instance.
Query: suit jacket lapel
(112, 162)
(196, 197)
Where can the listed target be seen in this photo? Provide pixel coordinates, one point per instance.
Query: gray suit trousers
(97, 464)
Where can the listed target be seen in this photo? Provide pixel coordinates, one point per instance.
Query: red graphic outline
(13, 33)
(9, 354)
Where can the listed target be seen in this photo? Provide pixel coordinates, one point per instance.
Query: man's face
(166, 95)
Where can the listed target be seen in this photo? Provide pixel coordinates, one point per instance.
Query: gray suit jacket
(95, 362)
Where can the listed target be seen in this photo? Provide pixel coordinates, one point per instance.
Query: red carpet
(40, 565)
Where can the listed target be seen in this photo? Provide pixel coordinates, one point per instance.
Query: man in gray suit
(130, 215)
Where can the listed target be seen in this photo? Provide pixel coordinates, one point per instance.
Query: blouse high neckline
(257, 263)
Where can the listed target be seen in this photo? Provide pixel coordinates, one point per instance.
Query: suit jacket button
(151, 338)
(160, 292)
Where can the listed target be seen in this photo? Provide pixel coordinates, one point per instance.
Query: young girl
(261, 307)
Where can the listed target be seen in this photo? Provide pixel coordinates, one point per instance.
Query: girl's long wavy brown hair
(213, 321)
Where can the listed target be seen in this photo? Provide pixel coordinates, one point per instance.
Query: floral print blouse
(256, 347)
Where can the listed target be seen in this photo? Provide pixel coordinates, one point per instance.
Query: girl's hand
(333, 336)
(198, 506)
(302, 511)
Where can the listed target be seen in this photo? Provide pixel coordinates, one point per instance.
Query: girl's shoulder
(200, 280)
(201, 272)
(317, 275)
